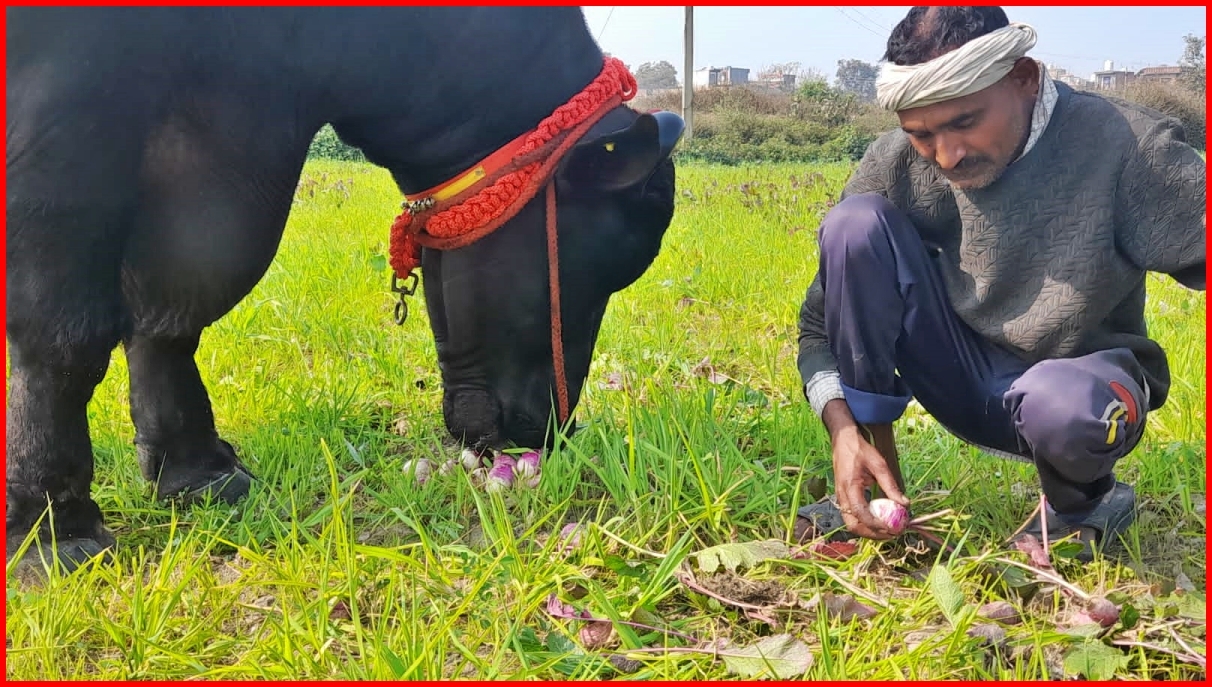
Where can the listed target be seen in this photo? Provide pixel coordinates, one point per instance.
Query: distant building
(1162, 74)
(708, 77)
(777, 80)
(1065, 76)
(1110, 78)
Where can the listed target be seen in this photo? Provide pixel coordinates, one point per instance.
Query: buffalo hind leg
(209, 225)
(179, 450)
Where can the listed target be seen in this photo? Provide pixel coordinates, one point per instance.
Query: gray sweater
(1049, 261)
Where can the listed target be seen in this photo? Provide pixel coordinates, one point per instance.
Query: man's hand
(857, 465)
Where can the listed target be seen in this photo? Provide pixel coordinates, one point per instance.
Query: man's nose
(948, 152)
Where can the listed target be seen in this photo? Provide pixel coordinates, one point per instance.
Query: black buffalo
(152, 156)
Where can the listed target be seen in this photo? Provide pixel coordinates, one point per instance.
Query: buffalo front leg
(49, 459)
(179, 450)
(64, 317)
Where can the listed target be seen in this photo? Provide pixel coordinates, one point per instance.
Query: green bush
(849, 143)
(327, 146)
(733, 138)
(739, 124)
(756, 100)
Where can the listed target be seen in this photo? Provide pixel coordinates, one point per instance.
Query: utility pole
(688, 74)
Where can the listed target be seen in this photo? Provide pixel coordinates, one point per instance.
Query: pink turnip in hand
(893, 515)
(896, 518)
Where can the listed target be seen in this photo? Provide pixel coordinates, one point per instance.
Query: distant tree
(812, 74)
(1194, 76)
(656, 75)
(857, 77)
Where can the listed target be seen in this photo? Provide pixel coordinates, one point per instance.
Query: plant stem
(1045, 575)
(642, 626)
(926, 534)
(695, 586)
(1043, 526)
(928, 517)
(1186, 658)
(1186, 647)
(620, 540)
(857, 591)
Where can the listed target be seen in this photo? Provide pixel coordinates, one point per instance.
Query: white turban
(974, 66)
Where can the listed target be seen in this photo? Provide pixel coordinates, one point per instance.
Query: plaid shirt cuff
(823, 388)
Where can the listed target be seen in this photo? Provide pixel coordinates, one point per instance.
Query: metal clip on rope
(406, 288)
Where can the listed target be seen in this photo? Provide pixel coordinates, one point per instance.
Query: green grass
(338, 566)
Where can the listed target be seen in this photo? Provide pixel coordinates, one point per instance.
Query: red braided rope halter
(479, 210)
(505, 187)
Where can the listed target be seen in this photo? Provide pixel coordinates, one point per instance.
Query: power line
(873, 22)
(603, 29)
(857, 23)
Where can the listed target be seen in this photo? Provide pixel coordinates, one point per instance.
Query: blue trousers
(895, 336)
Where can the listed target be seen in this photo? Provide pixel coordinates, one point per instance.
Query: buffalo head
(489, 302)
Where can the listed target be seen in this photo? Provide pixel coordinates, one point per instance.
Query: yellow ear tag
(610, 147)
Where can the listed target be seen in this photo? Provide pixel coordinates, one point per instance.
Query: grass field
(340, 566)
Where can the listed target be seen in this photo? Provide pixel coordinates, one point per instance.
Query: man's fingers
(857, 516)
(856, 526)
(884, 477)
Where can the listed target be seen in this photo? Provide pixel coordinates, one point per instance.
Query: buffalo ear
(624, 158)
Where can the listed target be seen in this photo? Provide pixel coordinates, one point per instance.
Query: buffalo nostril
(473, 417)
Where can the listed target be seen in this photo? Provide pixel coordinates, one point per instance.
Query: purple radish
(1102, 611)
(528, 464)
(500, 477)
(470, 460)
(421, 469)
(478, 477)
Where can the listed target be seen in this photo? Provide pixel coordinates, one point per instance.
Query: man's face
(974, 138)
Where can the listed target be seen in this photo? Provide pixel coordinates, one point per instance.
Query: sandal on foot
(1101, 529)
(821, 519)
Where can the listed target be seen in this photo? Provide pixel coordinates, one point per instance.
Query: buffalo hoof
(188, 474)
(67, 555)
(227, 488)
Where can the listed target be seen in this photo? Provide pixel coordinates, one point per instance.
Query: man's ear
(1025, 73)
(623, 158)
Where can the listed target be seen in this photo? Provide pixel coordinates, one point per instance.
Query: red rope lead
(557, 327)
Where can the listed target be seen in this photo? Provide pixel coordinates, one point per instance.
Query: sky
(1079, 39)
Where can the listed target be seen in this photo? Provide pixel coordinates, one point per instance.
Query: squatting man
(989, 259)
